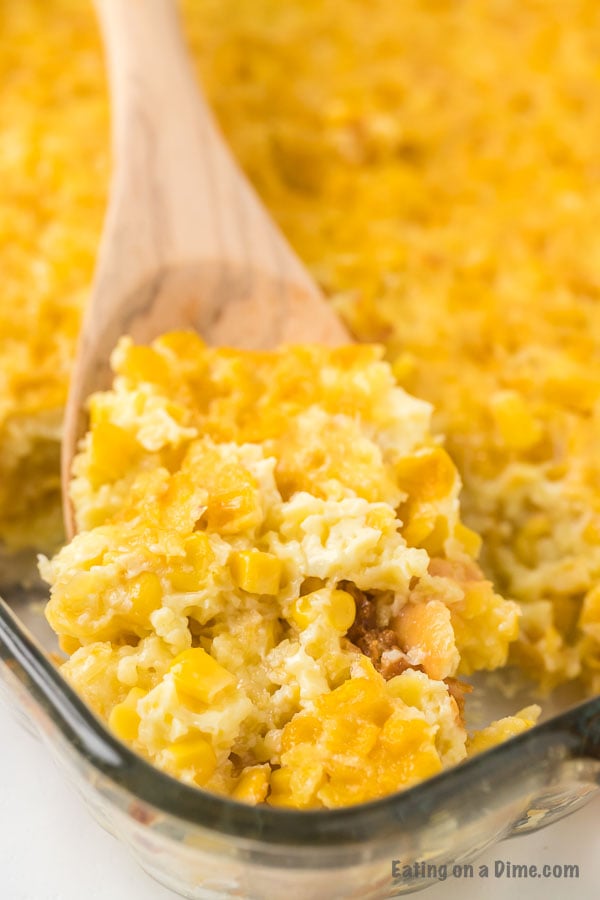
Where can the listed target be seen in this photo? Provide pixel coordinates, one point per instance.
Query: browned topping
(457, 689)
(374, 641)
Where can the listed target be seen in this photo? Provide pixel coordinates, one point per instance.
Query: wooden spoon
(186, 241)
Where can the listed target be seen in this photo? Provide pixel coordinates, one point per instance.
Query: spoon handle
(177, 193)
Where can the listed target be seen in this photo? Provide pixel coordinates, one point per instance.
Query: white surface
(51, 849)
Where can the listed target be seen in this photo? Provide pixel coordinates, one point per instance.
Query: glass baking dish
(202, 845)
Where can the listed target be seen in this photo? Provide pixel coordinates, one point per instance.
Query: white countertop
(51, 849)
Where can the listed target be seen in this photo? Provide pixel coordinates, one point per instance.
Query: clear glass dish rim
(571, 735)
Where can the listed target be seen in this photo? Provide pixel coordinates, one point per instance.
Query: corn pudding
(53, 169)
(437, 172)
(271, 593)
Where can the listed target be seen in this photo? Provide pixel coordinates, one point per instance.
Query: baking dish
(202, 845)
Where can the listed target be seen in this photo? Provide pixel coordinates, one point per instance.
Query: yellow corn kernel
(281, 790)
(145, 592)
(271, 634)
(408, 751)
(143, 364)
(233, 502)
(589, 618)
(469, 539)
(591, 532)
(252, 785)
(403, 367)
(347, 734)
(338, 606)
(112, 453)
(342, 610)
(198, 675)
(529, 537)
(303, 728)
(185, 345)
(360, 698)
(516, 426)
(124, 719)
(68, 644)
(502, 729)
(380, 518)
(401, 735)
(255, 571)
(427, 477)
(343, 792)
(303, 611)
(590, 652)
(417, 526)
(436, 539)
(193, 753)
(189, 575)
(407, 687)
(77, 593)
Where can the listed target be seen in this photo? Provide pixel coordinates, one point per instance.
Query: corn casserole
(271, 593)
(436, 171)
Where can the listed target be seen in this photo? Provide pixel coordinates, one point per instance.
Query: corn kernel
(145, 592)
(343, 792)
(469, 539)
(271, 634)
(428, 476)
(233, 504)
(435, 541)
(124, 719)
(255, 571)
(337, 605)
(193, 753)
(68, 644)
(143, 364)
(125, 722)
(417, 526)
(342, 610)
(303, 611)
(502, 729)
(344, 734)
(590, 610)
(252, 785)
(281, 790)
(517, 427)
(184, 345)
(591, 532)
(401, 735)
(189, 575)
(112, 453)
(361, 698)
(406, 687)
(303, 728)
(78, 592)
(403, 367)
(410, 754)
(197, 674)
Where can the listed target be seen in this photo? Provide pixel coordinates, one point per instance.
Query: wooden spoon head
(228, 305)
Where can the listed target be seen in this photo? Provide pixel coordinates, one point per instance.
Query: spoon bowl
(186, 241)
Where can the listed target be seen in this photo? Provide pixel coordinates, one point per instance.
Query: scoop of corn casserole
(271, 593)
